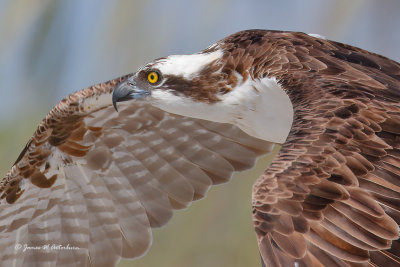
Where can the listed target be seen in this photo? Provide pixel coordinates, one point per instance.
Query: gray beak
(127, 90)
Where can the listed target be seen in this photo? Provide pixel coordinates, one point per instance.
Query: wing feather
(337, 176)
(97, 180)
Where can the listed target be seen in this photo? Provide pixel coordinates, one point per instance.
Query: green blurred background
(50, 48)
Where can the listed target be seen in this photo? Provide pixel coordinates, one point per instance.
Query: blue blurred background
(50, 48)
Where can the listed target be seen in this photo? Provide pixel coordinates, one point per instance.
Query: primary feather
(98, 180)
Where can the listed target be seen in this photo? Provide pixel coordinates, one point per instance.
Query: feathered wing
(332, 195)
(335, 203)
(97, 180)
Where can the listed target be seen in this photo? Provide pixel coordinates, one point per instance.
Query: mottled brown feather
(330, 198)
(338, 154)
(99, 180)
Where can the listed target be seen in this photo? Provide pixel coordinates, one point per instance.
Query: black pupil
(152, 77)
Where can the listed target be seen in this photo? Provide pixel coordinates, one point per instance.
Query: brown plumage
(333, 190)
(330, 198)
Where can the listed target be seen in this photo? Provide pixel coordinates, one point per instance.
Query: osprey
(96, 181)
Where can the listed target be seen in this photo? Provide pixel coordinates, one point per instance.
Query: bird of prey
(96, 181)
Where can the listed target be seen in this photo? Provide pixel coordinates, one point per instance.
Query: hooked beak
(127, 90)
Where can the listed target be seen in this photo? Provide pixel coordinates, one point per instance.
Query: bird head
(176, 79)
(209, 85)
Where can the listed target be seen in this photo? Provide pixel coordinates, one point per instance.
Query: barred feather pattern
(331, 196)
(96, 181)
(102, 180)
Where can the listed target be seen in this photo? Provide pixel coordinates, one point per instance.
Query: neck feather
(260, 107)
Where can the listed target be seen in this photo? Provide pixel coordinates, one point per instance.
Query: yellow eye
(152, 77)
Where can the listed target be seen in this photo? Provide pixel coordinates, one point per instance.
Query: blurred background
(51, 48)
